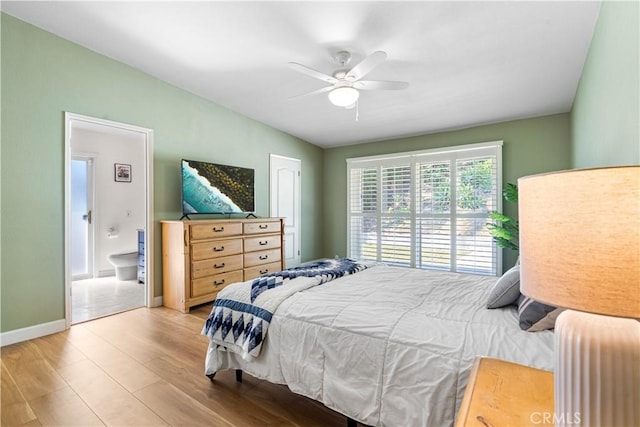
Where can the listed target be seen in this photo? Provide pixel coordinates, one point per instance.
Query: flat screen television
(210, 188)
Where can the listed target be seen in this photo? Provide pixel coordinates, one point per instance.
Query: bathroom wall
(118, 205)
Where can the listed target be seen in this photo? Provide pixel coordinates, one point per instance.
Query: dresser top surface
(220, 221)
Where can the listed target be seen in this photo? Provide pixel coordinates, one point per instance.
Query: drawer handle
(218, 282)
(220, 249)
(218, 265)
(218, 230)
(265, 271)
(263, 256)
(263, 226)
(263, 242)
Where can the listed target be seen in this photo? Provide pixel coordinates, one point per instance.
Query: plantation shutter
(363, 199)
(476, 195)
(433, 214)
(395, 219)
(426, 209)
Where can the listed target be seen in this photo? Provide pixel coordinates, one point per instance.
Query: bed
(385, 346)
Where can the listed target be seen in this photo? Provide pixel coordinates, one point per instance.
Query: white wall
(118, 205)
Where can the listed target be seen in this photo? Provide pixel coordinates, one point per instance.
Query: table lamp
(580, 250)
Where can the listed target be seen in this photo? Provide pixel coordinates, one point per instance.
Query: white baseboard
(107, 273)
(31, 332)
(43, 329)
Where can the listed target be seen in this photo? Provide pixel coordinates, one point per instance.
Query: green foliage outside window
(475, 184)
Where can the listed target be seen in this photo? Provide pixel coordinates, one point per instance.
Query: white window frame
(412, 158)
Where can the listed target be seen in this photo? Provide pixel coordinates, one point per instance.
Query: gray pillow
(535, 316)
(506, 290)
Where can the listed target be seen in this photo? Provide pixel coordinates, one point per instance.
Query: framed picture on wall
(122, 172)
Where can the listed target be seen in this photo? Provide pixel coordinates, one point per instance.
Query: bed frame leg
(351, 422)
(238, 376)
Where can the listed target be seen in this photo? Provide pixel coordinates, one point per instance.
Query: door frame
(70, 119)
(272, 186)
(91, 203)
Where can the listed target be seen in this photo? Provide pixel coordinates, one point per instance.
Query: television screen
(209, 188)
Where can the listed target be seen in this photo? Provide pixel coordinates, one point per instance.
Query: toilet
(126, 264)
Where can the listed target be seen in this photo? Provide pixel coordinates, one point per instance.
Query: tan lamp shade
(580, 239)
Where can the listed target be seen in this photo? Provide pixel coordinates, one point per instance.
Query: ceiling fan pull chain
(357, 110)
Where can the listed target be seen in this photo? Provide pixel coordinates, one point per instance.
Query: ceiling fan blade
(366, 65)
(313, 73)
(315, 92)
(380, 85)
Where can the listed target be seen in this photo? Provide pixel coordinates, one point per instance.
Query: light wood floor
(140, 368)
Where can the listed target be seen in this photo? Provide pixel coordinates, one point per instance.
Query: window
(426, 209)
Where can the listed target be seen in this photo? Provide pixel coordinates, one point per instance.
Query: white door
(285, 202)
(82, 211)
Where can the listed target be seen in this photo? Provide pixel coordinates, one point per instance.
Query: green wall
(605, 119)
(530, 146)
(42, 77)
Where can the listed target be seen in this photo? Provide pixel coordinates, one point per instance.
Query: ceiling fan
(346, 84)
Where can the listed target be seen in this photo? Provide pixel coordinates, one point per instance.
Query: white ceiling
(467, 63)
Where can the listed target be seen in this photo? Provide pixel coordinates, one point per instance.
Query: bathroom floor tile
(103, 296)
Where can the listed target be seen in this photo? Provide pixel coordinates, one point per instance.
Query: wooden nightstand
(502, 393)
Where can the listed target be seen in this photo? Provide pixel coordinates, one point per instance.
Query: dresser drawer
(210, 267)
(260, 243)
(261, 227)
(212, 231)
(263, 257)
(215, 249)
(210, 284)
(259, 270)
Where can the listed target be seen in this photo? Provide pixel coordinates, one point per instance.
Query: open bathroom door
(82, 209)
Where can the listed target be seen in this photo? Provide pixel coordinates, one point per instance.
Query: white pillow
(506, 290)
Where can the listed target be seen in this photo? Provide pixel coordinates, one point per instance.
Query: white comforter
(389, 346)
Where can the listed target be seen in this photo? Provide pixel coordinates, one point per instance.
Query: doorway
(108, 171)
(285, 177)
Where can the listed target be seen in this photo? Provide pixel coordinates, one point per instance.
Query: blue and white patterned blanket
(242, 311)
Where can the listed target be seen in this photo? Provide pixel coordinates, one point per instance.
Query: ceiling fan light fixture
(343, 96)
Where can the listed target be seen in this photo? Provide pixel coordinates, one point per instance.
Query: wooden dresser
(200, 257)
